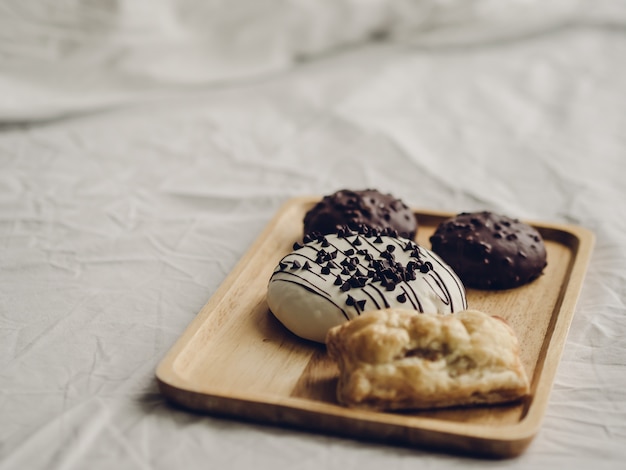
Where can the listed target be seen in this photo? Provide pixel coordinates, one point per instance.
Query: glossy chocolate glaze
(490, 251)
(368, 208)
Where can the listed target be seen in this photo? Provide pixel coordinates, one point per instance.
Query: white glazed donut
(333, 278)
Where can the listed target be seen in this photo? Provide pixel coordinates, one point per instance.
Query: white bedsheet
(144, 146)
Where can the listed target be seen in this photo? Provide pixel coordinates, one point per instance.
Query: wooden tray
(235, 359)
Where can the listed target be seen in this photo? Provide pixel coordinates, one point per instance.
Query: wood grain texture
(236, 359)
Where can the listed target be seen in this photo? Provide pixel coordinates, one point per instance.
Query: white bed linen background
(144, 146)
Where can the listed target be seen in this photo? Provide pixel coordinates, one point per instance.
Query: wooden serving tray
(235, 359)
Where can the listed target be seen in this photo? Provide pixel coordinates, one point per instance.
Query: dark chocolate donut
(366, 208)
(490, 251)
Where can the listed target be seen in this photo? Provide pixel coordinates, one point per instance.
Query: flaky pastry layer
(395, 359)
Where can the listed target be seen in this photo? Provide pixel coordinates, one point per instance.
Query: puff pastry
(395, 359)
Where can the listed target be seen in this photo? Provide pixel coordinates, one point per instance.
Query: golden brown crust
(396, 359)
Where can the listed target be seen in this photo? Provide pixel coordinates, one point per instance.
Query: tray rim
(511, 439)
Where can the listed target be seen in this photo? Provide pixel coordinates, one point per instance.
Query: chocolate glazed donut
(490, 251)
(353, 209)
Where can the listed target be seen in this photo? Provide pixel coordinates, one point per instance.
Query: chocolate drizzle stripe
(376, 304)
(453, 276)
(455, 279)
(415, 296)
(321, 276)
(440, 290)
(442, 286)
(417, 306)
(382, 295)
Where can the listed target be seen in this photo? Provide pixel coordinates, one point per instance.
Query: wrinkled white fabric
(145, 145)
(58, 58)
